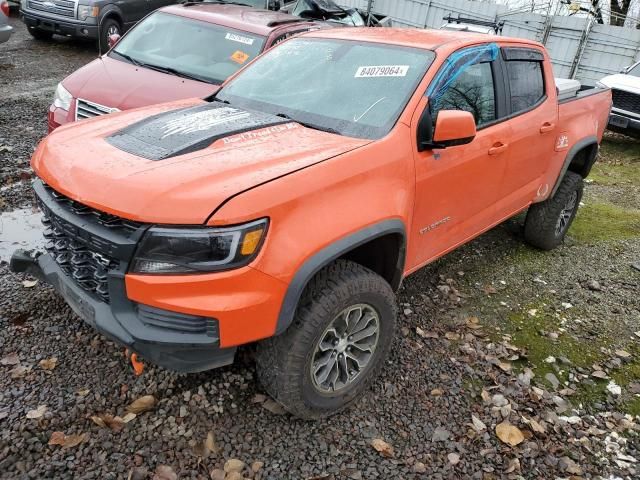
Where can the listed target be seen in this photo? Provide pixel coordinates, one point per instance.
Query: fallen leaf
(514, 466)
(505, 366)
(49, 363)
(11, 359)
(535, 426)
(142, 404)
(489, 289)
(509, 434)
(437, 392)
(106, 420)
(67, 441)
(19, 371)
(210, 443)
(382, 447)
(274, 407)
(454, 458)
(623, 354)
(259, 398)
(164, 472)
(421, 333)
(256, 466)
(478, 425)
(83, 392)
(233, 465)
(128, 417)
(452, 336)
(38, 412)
(29, 283)
(217, 474)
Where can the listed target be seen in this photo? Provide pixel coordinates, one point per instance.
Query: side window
(526, 81)
(472, 91)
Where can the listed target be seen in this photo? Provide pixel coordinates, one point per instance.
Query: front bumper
(121, 322)
(623, 124)
(187, 323)
(60, 26)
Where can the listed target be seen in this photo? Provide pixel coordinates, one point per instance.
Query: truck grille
(87, 109)
(626, 101)
(86, 258)
(64, 8)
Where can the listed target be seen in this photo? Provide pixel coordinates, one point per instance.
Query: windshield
(186, 47)
(354, 89)
(635, 71)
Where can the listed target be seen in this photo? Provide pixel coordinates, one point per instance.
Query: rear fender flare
(332, 252)
(577, 148)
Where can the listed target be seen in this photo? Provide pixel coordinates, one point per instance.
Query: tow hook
(137, 365)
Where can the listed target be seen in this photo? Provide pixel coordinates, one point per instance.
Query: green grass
(604, 221)
(616, 174)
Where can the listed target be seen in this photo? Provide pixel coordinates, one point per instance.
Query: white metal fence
(579, 48)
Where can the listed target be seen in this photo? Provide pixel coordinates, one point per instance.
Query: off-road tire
(284, 361)
(540, 227)
(40, 34)
(103, 34)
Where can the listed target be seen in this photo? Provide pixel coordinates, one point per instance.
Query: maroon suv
(177, 52)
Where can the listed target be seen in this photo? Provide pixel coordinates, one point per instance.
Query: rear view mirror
(113, 39)
(453, 127)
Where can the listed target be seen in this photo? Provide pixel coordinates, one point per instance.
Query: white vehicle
(625, 90)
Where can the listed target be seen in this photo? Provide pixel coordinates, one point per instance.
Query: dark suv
(90, 19)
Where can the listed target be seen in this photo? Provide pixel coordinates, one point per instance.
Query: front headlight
(198, 250)
(62, 98)
(86, 11)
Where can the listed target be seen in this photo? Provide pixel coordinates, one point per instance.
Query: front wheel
(109, 27)
(547, 222)
(336, 345)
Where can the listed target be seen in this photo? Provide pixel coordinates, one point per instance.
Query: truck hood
(121, 85)
(202, 170)
(622, 81)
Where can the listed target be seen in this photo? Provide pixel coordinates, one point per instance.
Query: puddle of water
(20, 228)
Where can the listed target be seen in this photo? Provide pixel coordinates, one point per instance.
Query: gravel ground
(510, 363)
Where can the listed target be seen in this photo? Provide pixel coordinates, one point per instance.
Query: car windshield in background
(188, 48)
(354, 89)
(635, 71)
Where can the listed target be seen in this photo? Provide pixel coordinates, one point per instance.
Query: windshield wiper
(309, 125)
(172, 71)
(128, 58)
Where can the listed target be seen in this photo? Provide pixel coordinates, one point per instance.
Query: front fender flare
(332, 252)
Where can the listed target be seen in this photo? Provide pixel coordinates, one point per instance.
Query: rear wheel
(336, 345)
(547, 222)
(40, 34)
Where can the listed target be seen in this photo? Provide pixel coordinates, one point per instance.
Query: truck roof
(240, 17)
(414, 37)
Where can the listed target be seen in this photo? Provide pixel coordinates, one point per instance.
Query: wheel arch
(112, 11)
(380, 247)
(579, 159)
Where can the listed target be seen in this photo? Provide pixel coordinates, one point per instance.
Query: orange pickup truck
(286, 209)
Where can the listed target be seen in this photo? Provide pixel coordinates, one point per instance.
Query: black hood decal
(187, 130)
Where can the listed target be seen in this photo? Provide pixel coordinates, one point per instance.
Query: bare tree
(619, 11)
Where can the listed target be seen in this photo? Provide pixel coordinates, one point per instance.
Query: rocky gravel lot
(510, 362)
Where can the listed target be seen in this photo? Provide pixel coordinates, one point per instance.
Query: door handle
(497, 148)
(547, 127)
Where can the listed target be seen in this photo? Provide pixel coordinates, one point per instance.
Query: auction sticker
(239, 57)
(239, 38)
(382, 71)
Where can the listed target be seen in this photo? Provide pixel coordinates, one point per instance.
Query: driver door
(457, 187)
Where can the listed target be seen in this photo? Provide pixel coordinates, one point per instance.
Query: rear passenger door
(533, 112)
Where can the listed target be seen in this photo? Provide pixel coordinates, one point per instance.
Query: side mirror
(453, 127)
(113, 39)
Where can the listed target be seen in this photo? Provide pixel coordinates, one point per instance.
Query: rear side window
(526, 80)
